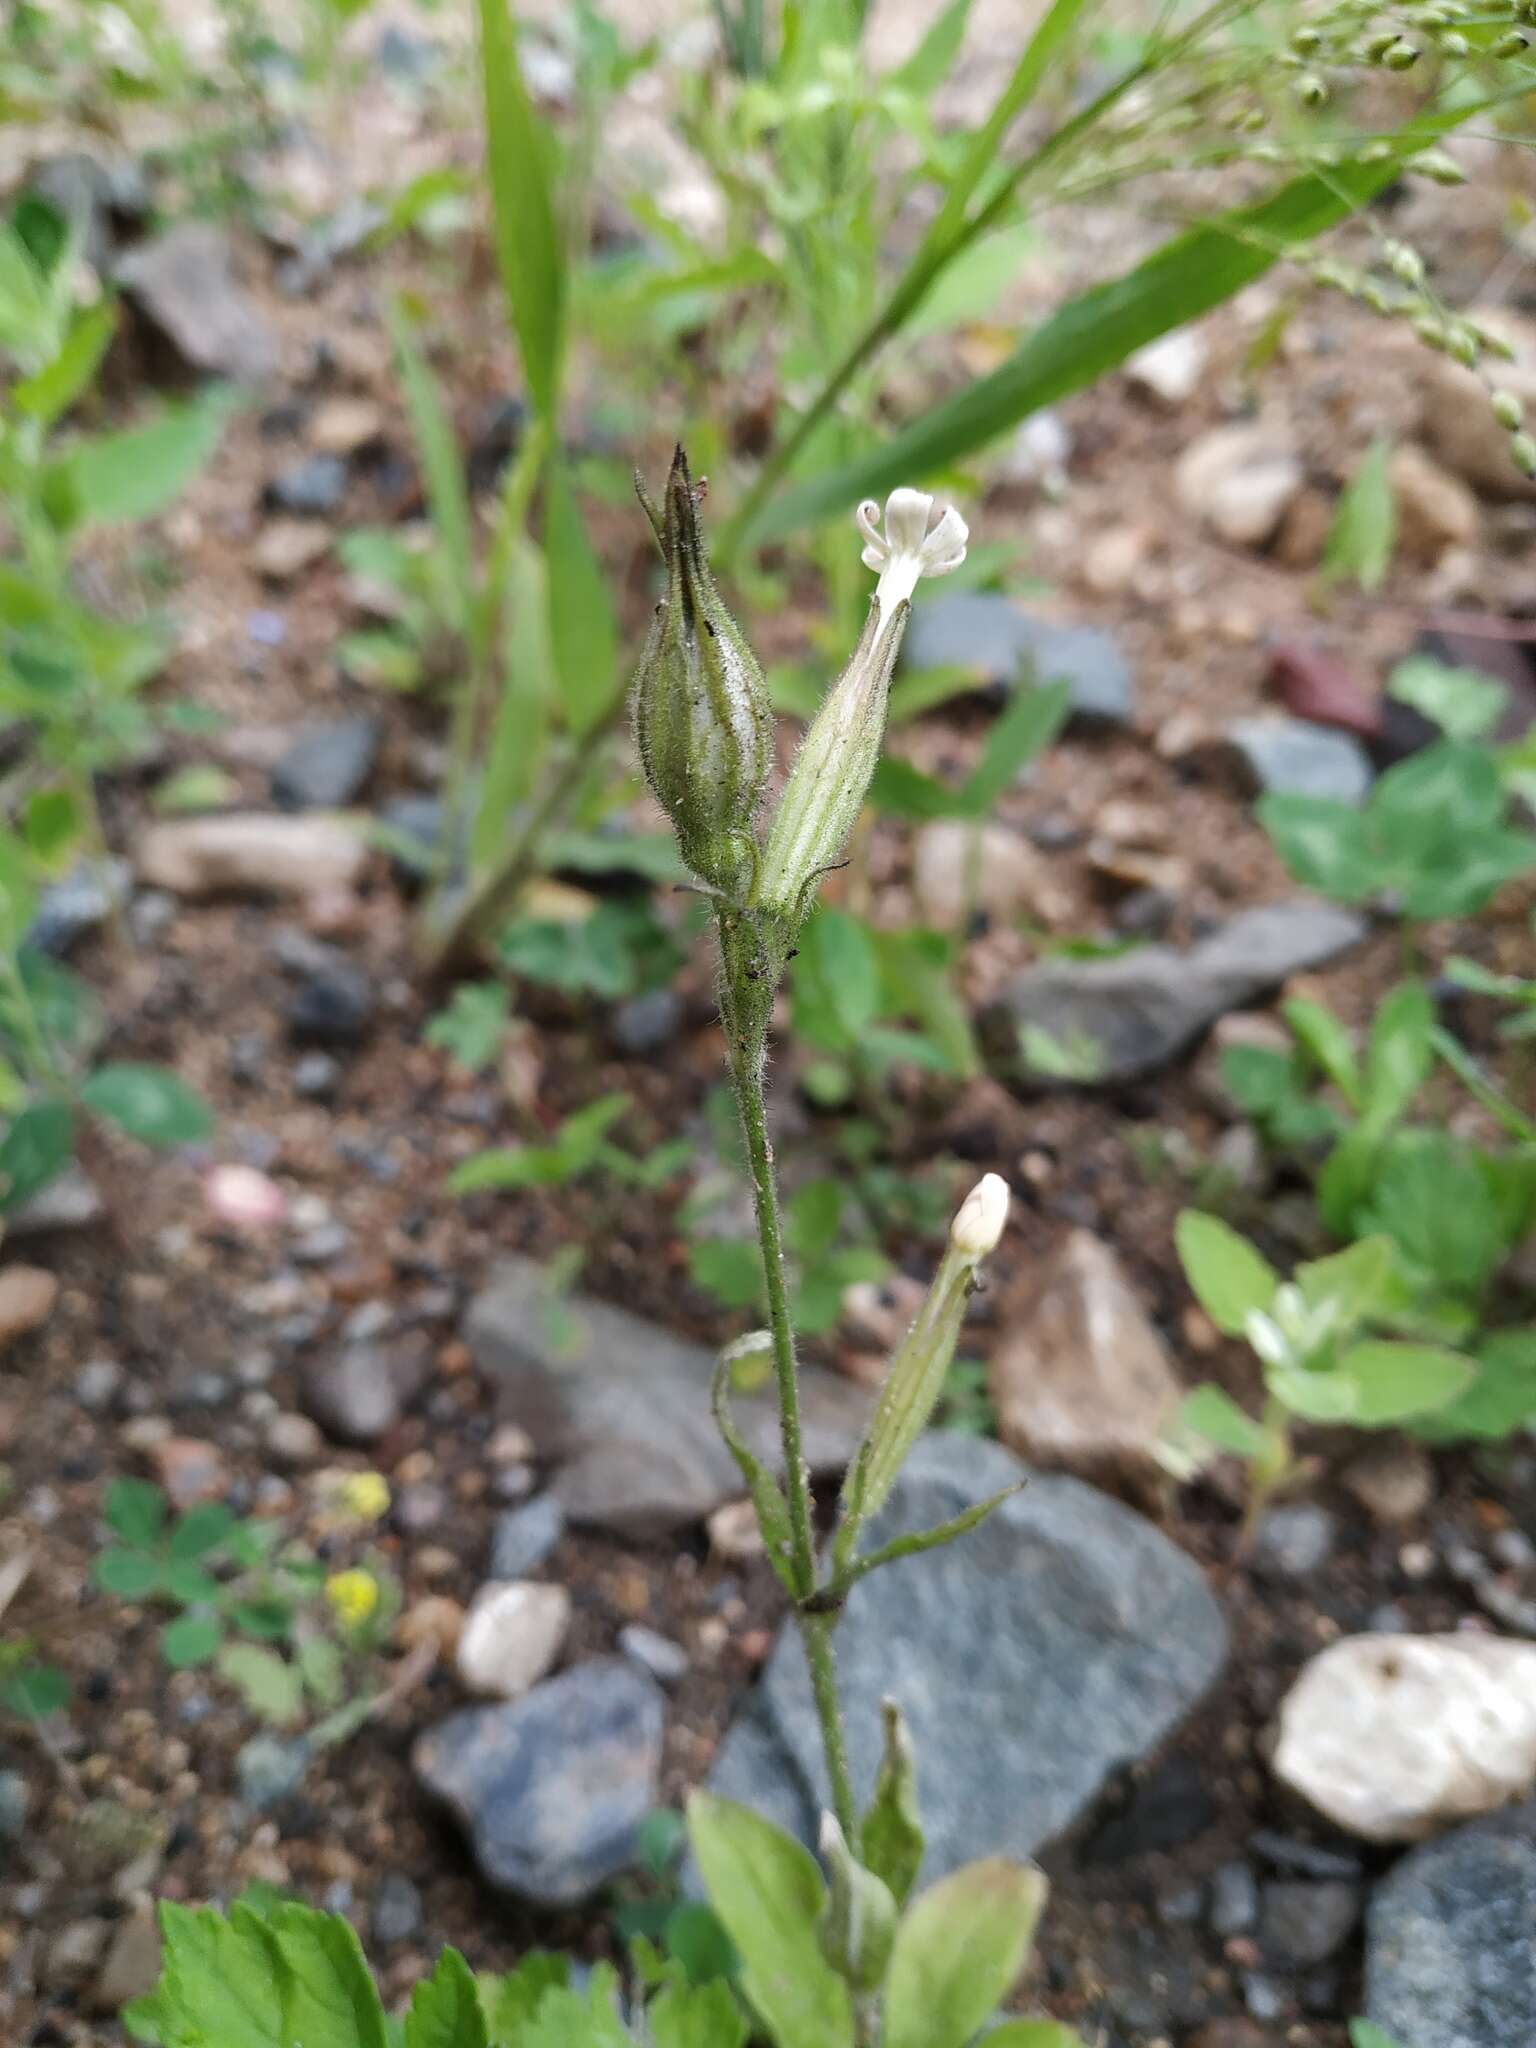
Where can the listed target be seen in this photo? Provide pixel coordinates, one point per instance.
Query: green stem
(747, 981)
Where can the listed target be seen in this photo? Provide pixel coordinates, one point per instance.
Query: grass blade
(519, 151)
(442, 469)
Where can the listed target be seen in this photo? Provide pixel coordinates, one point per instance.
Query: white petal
(944, 549)
(906, 521)
(868, 519)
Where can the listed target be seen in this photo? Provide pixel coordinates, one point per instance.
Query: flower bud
(1400, 56)
(703, 721)
(978, 1225)
(832, 772)
(857, 1929)
(1522, 450)
(1508, 410)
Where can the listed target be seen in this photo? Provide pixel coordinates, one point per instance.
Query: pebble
(1435, 510)
(1234, 1907)
(70, 1201)
(418, 1509)
(1240, 480)
(960, 869)
(328, 764)
(1321, 687)
(1291, 757)
(733, 1531)
(359, 1393)
(80, 903)
(316, 1076)
(524, 1538)
(1393, 1482)
(15, 1805)
(74, 1953)
(1303, 1924)
(287, 547)
(511, 1637)
(642, 1025)
(27, 1296)
(398, 1913)
(262, 853)
(333, 1005)
(433, 1620)
(1003, 645)
(132, 1966)
(1459, 422)
(1293, 1540)
(189, 1470)
(656, 1653)
(271, 1768)
(244, 1198)
(315, 485)
(1170, 369)
(342, 426)
(1394, 1736)
(294, 1440)
(183, 281)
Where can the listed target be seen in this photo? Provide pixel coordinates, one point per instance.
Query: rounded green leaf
(192, 1639)
(1395, 1381)
(147, 1102)
(1229, 1277)
(959, 1951)
(136, 1510)
(130, 1574)
(201, 1529)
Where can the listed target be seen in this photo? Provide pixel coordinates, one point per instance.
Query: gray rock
(316, 1076)
(625, 1405)
(644, 1024)
(183, 282)
(328, 764)
(526, 1536)
(86, 898)
(1002, 645)
(98, 1384)
(333, 1005)
(1301, 1925)
(317, 484)
(1293, 1540)
(1127, 1016)
(1297, 758)
(414, 825)
(653, 1652)
(1450, 1960)
(85, 193)
(271, 1768)
(1234, 1899)
(552, 1788)
(15, 1804)
(71, 1201)
(361, 1391)
(397, 1909)
(1051, 1647)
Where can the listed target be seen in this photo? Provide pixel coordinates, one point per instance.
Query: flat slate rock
(1033, 1658)
(183, 281)
(1129, 1015)
(328, 763)
(1450, 1957)
(623, 1405)
(1001, 644)
(551, 1789)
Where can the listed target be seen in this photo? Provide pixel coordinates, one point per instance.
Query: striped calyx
(702, 717)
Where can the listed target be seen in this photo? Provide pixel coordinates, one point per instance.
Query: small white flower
(907, 550)
(978, 1226)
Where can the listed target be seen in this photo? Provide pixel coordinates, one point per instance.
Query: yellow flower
(365, 1495)
(353, 1596)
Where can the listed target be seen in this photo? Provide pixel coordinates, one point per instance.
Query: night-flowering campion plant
(837, 1958)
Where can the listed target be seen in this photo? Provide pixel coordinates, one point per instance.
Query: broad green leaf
(1463, 703)
(1318, 1396)
(959, 1951)
(130, 1574)
(51, 391)
(131, 475)
(1091, 334)
(35, 1150)
(190, 1640)
(34, 1692)
(1324, 843)
(271, 1686)
(1500, 1400)
(836, 982)
(149, 1103)
(1393, 1382)
(201, 1529)
(136, 1510)
(1321, 1034)
(473, 1025)
(1366, 2034)
(1364, 528)
(510, 2001)
(219, 1982)
(694, 1936)
(583, 637)
(441, 464)
(445, 2008)
(697, 2016)
(1229, 1277)
(580, 2019)
(519, 152)
(1362, 1280)
(1209, 1413)
(51, 825)
(730, 1268)
(322, 1668)
(768, 1892)
(328, 1994)
(1430, 1195)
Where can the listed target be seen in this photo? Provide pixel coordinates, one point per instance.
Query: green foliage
(822, 1262)
(851, 987)
(472, 1027)
(578, 1147)
(1434, 836)
(1364, 529)
(30, 1688)
(245, 1602)
(619, 948)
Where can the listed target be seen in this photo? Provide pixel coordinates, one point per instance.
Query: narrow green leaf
(768, 1892)
(1325, 1039)
(1024, 731)
(1401, 1052)
(1364, 528)
(767, 1495)
(441, 464)
(1090, 335)
(516, 747)
(528, 249)
(51, 825)
(1209, 1413)
(445, 2008)
(583, 637)
(915, 1543)
(1366, 2034)
(959, 1951)
(1229, 1277)
(891, 1839)
(50, 393)
(149, 1103)
(928, 66)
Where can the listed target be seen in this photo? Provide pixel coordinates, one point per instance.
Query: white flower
(978, 1226)
(907, 550)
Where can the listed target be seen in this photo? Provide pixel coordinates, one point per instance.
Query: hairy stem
(747, 982)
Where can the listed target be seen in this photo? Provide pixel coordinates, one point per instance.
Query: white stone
(511, 1636)
(1396, 1737)
(958, 868)
(1240, 480)
(252, 853)
(734, 1532)
(1170, 368)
